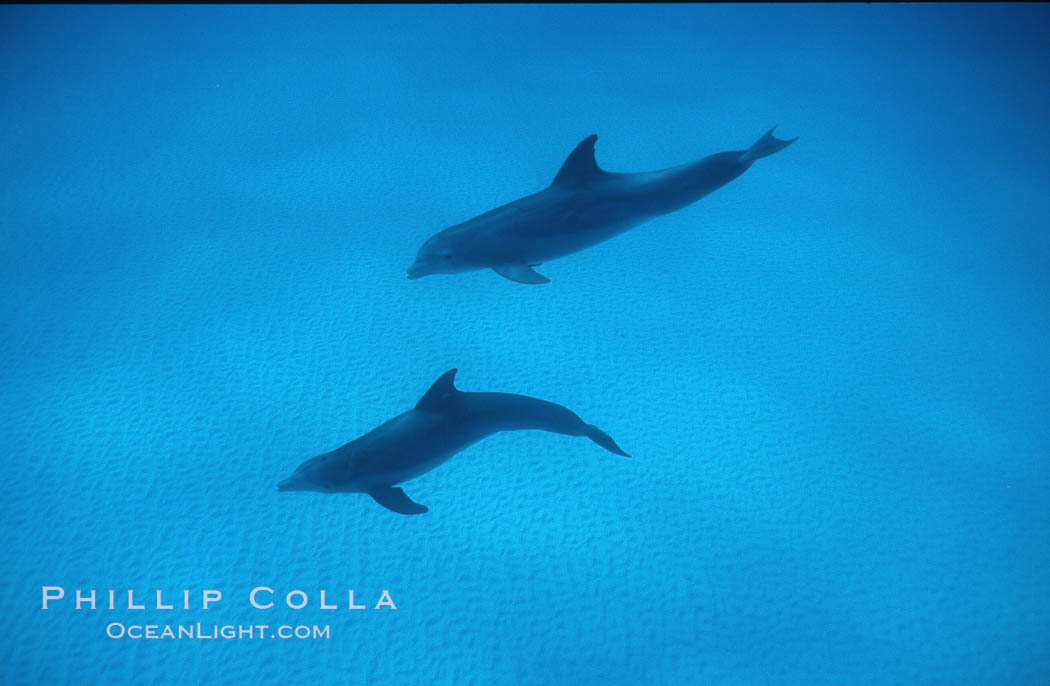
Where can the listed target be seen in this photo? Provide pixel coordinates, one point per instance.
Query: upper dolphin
(582, 207)
(444, 422)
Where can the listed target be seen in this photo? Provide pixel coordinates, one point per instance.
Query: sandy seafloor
(833, 373)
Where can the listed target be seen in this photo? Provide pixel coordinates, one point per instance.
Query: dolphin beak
(413, 271)
(287, 485)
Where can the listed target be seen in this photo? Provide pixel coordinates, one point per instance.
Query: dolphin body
(582, 207)
(444, 422)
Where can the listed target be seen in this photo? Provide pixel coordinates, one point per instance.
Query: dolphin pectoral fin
(395, 500)
(520, 272)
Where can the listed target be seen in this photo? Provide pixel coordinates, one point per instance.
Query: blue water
(833, 374)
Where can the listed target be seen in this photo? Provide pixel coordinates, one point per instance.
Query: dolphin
(582, 207)
(445, 421)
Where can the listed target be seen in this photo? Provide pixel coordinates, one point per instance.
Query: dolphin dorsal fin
(579, 166)
(439, 393)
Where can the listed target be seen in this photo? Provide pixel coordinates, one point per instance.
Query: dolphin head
(324, 474)
(443, 253)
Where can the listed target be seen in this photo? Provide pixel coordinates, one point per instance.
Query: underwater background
(833, 373)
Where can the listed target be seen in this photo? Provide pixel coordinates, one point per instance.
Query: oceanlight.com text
(203, 632)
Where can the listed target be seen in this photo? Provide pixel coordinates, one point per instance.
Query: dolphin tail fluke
(765, 146)
(604, 440)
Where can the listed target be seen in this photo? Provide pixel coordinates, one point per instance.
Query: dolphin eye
(328, 487)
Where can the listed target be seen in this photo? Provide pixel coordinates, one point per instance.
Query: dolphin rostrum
(582, 207)
(444, 422)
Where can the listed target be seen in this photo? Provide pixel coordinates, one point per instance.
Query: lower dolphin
(444, 422)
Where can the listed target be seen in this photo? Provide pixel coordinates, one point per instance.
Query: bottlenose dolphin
(445, 421)
(582, 207)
